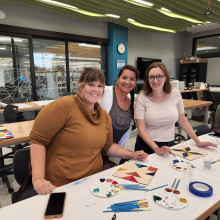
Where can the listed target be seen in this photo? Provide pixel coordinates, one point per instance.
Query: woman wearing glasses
(158, 108)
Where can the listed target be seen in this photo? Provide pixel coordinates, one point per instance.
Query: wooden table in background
(189, 104)
(20, 131)
(33, 106)
(199, 92)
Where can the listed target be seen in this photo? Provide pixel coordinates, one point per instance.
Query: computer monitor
(143, 64)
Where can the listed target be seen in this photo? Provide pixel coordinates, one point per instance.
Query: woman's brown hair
(90, 75)
(167, 86)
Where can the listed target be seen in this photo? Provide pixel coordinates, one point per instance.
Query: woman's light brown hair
(167, 86)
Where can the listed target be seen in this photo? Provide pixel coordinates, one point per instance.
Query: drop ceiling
(141, 17)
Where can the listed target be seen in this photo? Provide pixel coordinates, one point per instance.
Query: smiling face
(127, 81)
(156, 79)
(91, 93)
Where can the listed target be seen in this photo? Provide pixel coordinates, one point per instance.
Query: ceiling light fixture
(143, 2)
(89, 45)
(2, 14)
(209, 11)
(165, 9)
(112, 15)
(130, 19)
(70, 7)
(58, 3)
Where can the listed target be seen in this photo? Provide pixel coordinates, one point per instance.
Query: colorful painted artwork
(182, 165)
(188, 153)
(104, 187)
(135, 172)
(170, 200)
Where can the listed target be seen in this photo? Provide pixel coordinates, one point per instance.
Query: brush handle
(177, 184)
(173, 183)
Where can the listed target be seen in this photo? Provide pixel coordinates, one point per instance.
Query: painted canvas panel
(188, 153)
(135, 172)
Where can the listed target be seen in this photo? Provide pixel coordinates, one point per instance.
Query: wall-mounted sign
(120, 64)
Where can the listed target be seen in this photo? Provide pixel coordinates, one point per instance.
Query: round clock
(121, 48)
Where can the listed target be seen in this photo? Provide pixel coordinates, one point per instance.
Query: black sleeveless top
(121, 120)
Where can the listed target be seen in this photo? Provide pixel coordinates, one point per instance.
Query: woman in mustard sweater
(70, 135)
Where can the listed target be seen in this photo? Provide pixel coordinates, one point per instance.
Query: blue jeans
(141, 145)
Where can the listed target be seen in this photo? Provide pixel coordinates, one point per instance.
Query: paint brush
(216, 161)
(129, 202)
(157, 187)
(173, 184)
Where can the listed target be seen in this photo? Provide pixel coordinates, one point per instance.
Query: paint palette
(170, 200)
(182, 165)
(104, 187)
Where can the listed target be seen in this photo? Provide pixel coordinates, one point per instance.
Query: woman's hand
(206, 144)
(139, 155)
(43, 186)
(164, 150)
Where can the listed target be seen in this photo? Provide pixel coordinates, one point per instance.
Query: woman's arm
(117, 151)
(141, 126)
(185, 125)
(38, 156)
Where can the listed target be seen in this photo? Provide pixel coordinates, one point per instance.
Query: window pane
(15, 80)
(82, 55)
(50, 68)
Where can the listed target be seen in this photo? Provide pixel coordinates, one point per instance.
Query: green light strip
(151, 27)
(174, 15)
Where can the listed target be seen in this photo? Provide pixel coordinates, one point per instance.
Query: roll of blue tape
(201, 193)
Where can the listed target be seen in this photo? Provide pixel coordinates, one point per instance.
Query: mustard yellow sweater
(74, 138)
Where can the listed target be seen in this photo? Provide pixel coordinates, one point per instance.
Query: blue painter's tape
(200, 193)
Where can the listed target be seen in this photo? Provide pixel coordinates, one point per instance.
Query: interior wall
(165, 46)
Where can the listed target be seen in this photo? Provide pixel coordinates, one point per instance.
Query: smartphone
(55, 205)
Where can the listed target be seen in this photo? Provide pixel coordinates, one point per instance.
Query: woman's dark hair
(135, 70)
(90, 75)
(167, 86)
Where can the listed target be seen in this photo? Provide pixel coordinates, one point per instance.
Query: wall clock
(121, 48)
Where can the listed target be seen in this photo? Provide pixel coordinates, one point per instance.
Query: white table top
(82, 205)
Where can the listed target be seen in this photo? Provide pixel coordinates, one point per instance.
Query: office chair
(22, 167)
(215, 98)
(201, 129)
(217, 118)
(178, 137)
(10, 114)
(5, 170)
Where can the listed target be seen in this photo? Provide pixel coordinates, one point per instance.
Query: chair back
(217, 118)
(201, 129)
(19, 100)
(10, 113)
(21, 164)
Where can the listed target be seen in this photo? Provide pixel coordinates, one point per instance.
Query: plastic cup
(207, 160)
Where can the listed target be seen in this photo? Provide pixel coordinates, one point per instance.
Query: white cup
(207, 160)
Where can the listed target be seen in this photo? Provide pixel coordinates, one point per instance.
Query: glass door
(50, 68)
(15, 78)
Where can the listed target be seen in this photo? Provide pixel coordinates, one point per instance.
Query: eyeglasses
(158, 77)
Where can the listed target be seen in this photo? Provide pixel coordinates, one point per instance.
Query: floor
(5, 197)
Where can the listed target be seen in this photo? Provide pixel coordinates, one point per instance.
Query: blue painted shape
(102, 180)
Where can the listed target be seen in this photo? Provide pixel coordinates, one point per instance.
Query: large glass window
(15, 80)
(82, 55)
(50, 68)
(206, 47)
